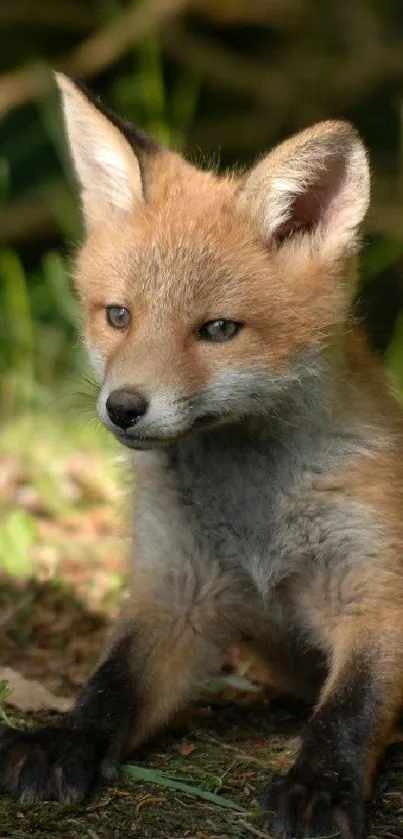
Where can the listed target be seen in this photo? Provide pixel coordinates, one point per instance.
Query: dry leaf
(148, 800)
(185, 749)
(27, 695)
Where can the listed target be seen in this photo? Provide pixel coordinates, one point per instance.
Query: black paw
(56, 763)
(309, 804)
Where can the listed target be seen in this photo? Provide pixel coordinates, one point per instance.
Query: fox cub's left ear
(315, 185)
(107, 165)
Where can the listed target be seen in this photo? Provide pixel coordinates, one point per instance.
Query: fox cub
(268, 457)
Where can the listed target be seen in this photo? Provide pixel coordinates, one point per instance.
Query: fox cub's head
(207, 298)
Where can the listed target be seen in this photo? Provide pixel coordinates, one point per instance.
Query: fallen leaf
(28, 695)
(148, 801)
(11, 474)
(185, 749)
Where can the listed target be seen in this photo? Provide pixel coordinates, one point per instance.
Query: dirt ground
(235, 750)
(228, 744)
(61, 506)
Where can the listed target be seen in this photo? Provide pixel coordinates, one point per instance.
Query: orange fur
(269, 468)
(193, 252)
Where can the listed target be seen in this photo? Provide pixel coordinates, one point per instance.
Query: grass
(205, 778)
(4, 695)
(39, 315)
(151, 803)
(57, 521)
(163, 779)
(62, 495)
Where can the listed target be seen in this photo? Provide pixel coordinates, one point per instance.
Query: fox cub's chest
(231, 490)
(259, 503)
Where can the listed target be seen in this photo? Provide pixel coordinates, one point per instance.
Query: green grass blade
(152, 77)
(151, 83)
(56, 275)
(183, 104)
(379, 257)
(4, 180)
(16, 333)
(154, 776)
(17, 536)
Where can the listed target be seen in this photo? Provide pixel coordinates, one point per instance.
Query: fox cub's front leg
(170, 639)
(325, 791)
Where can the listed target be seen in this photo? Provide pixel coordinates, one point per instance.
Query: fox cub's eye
(218, 330)
(118, 317)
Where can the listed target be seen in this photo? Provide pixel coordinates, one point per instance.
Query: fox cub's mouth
(142, 442)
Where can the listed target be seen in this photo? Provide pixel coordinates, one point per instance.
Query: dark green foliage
(231, 79)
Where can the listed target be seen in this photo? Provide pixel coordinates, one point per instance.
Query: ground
(62, 555)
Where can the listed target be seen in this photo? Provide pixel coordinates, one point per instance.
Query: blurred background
(217, 79)
(221, 80)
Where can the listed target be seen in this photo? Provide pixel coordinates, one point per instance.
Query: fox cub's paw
(56, 763)
(307, 804)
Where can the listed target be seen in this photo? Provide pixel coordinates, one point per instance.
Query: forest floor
(63, 545)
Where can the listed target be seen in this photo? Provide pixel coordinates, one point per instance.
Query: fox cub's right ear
(107, 165)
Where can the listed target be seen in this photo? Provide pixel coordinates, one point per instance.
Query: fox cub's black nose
(125, 407)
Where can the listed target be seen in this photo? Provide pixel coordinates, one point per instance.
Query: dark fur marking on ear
(139, 140)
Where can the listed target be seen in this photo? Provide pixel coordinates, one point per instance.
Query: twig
(242, 755)
(225, 68)
(279, 14)
(256, 832)
(33, 214)
(14, 609)
(95, 53)
(72, 15)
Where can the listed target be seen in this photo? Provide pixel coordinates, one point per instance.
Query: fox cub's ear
(106, 163)
(316, 183)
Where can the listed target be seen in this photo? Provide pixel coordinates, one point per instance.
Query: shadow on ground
(229, 746)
